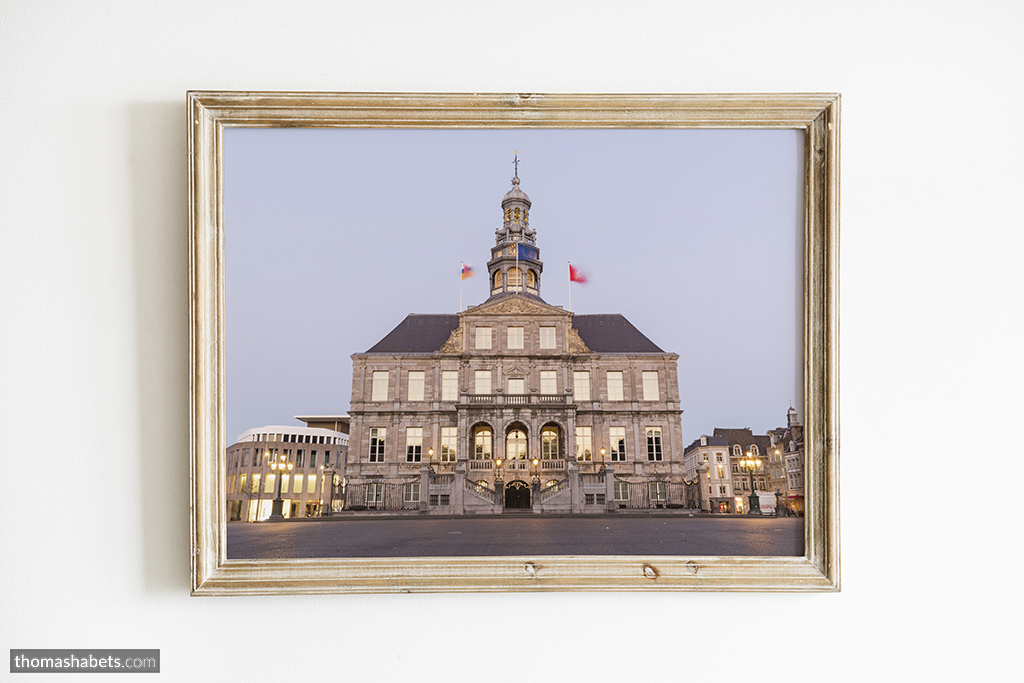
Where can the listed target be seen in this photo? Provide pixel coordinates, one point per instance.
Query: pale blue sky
(333, 236)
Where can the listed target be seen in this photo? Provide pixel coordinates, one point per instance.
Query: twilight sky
(333, 236)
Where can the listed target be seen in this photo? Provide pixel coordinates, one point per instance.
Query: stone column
(609, 489)
(459, 489)
(424, 489)
(575, 488)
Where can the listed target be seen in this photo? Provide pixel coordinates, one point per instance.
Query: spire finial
(515, 162)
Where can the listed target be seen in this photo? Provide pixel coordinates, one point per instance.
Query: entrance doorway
(517, 495)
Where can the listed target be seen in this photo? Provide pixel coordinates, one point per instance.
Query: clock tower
(515, 264)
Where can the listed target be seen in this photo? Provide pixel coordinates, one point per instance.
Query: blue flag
(527, 252)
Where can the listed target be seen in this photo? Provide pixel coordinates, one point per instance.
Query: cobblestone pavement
(517, 535)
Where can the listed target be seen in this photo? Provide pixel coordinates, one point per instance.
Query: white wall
(93, 334)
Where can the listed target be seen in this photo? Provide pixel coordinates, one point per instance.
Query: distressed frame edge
(213, 574)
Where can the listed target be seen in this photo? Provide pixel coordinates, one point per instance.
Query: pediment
(516, 305)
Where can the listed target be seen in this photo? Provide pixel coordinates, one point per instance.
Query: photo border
(210, 112)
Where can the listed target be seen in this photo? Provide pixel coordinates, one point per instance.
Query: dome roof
(516, 193)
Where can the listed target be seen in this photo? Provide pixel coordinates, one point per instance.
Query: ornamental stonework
(576, 344)
(514, 306)
(455, 343)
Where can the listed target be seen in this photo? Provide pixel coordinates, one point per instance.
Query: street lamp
(749, 464)
(279, 467)
(430, 459)
(602, 458)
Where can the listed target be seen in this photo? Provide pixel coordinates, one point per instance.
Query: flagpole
(462, 276)
(570, 284)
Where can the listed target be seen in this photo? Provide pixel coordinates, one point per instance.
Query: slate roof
(712, 441)
(612, 333)
(418, 333)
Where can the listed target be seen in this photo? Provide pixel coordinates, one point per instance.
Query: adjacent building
(313, 484)
(515, 403)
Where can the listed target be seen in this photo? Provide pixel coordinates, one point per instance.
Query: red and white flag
(575, 275)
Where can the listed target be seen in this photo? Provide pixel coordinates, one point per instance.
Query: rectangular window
(448, 439)
(297, 484)
(614, 385)
(312, 458)
(515, 337)
(416, 385)
(658, 491)
(517, 386)
(374, 494)
(450, 385)
(721, 491)
(547, 337)
(483, 338)
(581, 385)
(617, 436)
(241, 484)
(483, 382)
(445, 499)
(414, 444)
(584, 444)
(548, 382)
(588, 498)
(411, 494)
(651, 392)
(270, 481)
(377, 436)
(621, 490)
(299, 458)
(380, 386)
(284, 482)
(310, 483)
(654, 443)
(255, 484)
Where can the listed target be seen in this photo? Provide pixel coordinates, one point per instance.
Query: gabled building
(514, 403)
(743, 443)
(707, 460)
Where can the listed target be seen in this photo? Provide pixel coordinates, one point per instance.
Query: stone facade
(515, 403)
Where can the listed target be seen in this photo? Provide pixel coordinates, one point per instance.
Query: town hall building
(514, 404)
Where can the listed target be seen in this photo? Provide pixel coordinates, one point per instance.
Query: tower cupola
(515, 264)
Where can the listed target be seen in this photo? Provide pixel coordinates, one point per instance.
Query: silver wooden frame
(213, 574)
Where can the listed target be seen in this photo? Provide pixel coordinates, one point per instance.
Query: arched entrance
(517, 495)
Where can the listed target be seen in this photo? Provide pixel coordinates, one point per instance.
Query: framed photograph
(513, 342)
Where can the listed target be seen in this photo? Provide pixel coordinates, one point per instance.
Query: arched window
(737, 451)
(482, 440)
(515, 277)
(531, 279)
(549, 443)
(515, 445)
(497, 279)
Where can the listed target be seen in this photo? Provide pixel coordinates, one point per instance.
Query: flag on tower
(467, 271)
(575, 275)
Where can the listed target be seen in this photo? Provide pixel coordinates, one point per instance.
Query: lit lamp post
(749, 464)
(430, 459)
(279, 467)
(602, 458)
(499, 485)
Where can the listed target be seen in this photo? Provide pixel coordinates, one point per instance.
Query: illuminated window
(549, 443)
(380, 386)
(374, 494)
(581, 385)
(547, 337)
(255, 484)
(450, 385)
(584, 444)
(614, 385)
(515, 277)
(617, 435)
(531, 281)
(651, 386)
(448, 440)
(483, 382)
(284, 482)
(515, 445)
(654, 443)
(482, 439)
(416, 385)
(483, 337)
(517, 386)
(310, 483)
(297, 483)
(241, 484)
(548, 382)
(515, 337)
(411, 494)
(497, 279)
(414, 444)
(377, 437)
(269, 483)
(721, 472)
